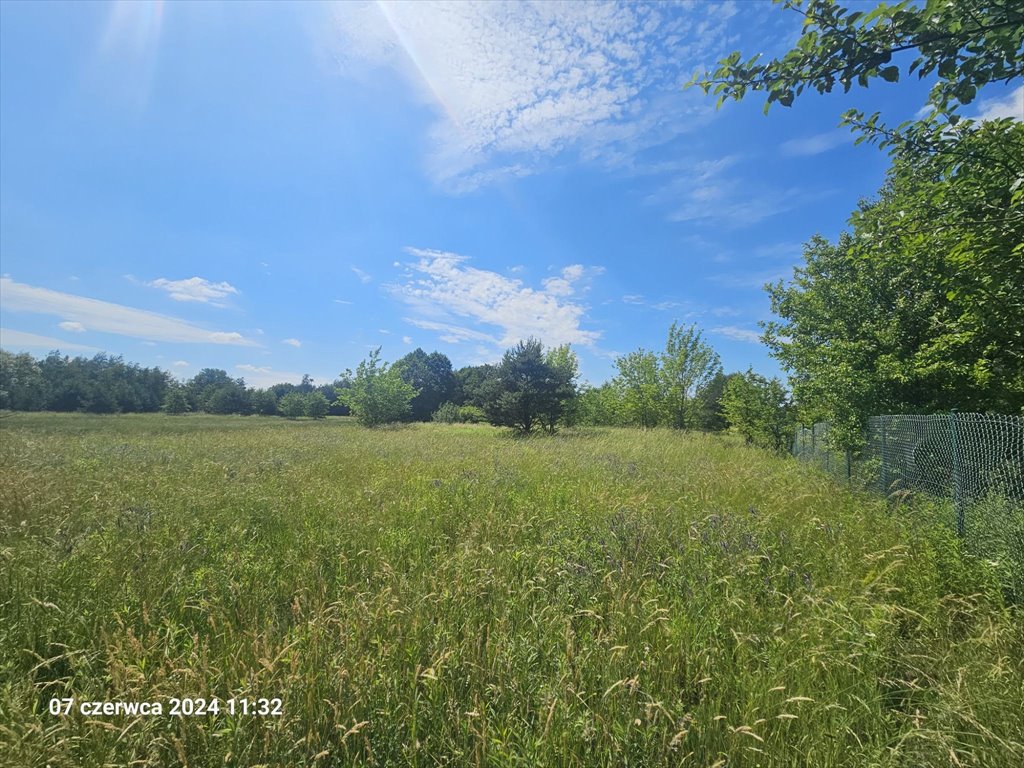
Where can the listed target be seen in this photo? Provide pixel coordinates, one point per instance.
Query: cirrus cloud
(106, 317)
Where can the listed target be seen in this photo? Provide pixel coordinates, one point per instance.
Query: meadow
(449, 595)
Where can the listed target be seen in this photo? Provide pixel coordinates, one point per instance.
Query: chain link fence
(973, 460)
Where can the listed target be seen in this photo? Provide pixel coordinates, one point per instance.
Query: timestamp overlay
(171, 706)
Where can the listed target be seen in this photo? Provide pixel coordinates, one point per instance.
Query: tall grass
(447, 595)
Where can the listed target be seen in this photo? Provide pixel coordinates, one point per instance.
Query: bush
(470, 414)
(448, 413)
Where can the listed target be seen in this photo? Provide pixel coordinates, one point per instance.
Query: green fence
(974, 460)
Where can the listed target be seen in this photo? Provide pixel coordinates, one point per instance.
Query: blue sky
(275, 189)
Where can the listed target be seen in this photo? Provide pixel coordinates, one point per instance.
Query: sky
(277, 189)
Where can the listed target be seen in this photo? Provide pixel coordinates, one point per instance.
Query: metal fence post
(885, 467)
(958, 501)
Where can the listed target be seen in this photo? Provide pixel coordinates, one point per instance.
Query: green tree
(292, 405)
(561, 406)
(964, 44)
(473, 384)
(527, 391)
(22, 386)
(919, 309)
(264, 402)
(431, 375)
(316, 405)
(640, 384)
(600, 406)
(176, 401)
(707, 404)
(687, 365)
(759, 409)
(378, 394)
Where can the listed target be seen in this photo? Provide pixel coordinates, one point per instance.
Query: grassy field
(448, 595)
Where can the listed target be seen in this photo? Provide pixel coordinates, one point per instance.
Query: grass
(447, 595)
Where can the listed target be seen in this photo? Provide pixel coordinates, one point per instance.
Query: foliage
(378, 394)
(433, 379)
(527, 390)
(562, 406)
(966, 44)
(474, 384)
(100, 384)
(450, 413)
(292, 405)
(688, 365)
(600, 406)
(22, 387)
(707, 404)
(264, 402)
(920, 308)
(759, 409)
(176, 401)
(447, 413)
(441, 593)
(640, 382)
(316, 405)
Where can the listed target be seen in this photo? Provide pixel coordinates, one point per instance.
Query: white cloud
(815, 145)
(407, 339)
(447, 294)
(738, 334)
(73, 327)
(384, 331)
(341, 301)
(1011, 105)
(180, 363)
(10, 340)
(514, 83)
(363, 276)
(106, 317)
(196, 289)
(292, 342)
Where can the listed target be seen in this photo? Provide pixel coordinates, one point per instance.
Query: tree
(639, 380)
(759, 409)
(967, 44)
(264, 402)
(22, 386)
(378, 394)
(473, 384)
(316, 405)
(707, 404)
(292, 405)
(527, 391)
(560, 406)
(431, 375)
(600, 406)
(687, 365)
(919, 309)
(176, 401)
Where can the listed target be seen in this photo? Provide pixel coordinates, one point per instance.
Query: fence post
(885, 467)
(958, 501)
(849, 474)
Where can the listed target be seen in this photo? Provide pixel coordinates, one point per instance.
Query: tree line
(531, 389)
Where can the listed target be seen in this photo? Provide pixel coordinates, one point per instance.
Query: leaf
(890, 74)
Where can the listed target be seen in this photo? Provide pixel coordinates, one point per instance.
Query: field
(448, 595)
